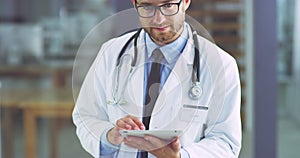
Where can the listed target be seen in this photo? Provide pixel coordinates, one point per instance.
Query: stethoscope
(195, 90)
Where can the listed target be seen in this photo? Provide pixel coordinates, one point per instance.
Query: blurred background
(38, 45)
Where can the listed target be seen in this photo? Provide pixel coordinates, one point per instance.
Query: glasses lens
(169, 9)
(146, 11)
(149, 11)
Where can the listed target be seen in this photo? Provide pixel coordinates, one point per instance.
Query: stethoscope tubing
(195, 91)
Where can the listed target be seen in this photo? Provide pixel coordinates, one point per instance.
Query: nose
(158, 18)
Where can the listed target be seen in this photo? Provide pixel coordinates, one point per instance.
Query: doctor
(163, 76)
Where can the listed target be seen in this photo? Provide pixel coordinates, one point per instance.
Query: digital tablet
(162, 134)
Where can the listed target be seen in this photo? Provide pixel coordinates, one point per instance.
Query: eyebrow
(148, 3)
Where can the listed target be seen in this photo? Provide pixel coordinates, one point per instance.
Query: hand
(126, 123)
(157, 147)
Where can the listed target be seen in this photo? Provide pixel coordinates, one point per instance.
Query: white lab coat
(215, 132)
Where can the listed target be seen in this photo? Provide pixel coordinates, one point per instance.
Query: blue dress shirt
(171, 53)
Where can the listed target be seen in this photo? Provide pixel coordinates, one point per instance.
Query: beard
(171, 33)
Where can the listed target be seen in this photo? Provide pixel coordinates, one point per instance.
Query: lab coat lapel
(182, 68)
(180, 74)
(177, 76)
(136, 80)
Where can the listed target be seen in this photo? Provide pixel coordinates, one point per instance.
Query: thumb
(175, 145)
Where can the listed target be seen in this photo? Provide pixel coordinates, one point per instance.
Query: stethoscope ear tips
(195, 91)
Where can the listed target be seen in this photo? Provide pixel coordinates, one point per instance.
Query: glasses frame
(158, 8)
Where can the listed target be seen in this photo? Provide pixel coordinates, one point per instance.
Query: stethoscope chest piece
(195, 91)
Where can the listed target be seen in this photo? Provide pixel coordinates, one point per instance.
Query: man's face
(163, 29)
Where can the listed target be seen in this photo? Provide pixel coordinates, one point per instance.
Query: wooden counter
(34, 103)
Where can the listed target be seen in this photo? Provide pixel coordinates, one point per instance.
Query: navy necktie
(152, 90)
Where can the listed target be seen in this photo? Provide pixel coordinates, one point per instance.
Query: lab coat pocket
(193, 113)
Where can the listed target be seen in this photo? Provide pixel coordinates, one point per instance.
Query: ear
(187, 4)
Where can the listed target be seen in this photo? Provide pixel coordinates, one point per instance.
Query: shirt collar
(170, 51)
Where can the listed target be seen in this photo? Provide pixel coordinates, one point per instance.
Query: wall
(120, 5)
(293, 88)
(28, 10)
(296, 41)
(7, 8)
(249, 64)
(265, 78)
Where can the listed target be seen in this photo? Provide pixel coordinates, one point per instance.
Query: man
(210, 123)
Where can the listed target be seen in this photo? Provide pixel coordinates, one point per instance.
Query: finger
(175, 145)
(156, 142)
(137, 122)
(122, 124)
(132, 123)
(131, 144)
(138, 143)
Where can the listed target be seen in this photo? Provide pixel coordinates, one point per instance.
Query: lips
(161, 29)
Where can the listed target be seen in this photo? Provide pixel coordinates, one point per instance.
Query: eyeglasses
(149, 11)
